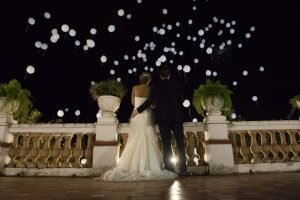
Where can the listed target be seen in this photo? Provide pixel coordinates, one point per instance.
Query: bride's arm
(132, 96)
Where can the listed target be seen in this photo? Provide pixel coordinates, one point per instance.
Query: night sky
(260, 53)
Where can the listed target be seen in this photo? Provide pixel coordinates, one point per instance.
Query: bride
(141, 158)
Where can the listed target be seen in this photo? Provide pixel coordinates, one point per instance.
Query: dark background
(63, 73)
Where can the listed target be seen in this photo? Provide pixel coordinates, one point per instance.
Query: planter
(212, 105)
(108, 105)
(9, 109)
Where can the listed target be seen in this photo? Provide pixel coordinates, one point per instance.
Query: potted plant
(109, 94)
(17, 101)
(295, 104)
(214, 98)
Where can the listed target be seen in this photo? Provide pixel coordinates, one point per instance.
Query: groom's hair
(164, 71)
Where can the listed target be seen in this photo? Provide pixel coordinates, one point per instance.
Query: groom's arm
(148, 102)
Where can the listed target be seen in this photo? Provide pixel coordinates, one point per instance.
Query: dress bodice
(139, 101)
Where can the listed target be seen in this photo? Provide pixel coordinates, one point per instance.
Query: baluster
(285, 148)
(264, 147)
(190, 148)
(55, 152)
(34, 152)
(294, 146)
(244, 150)
(235, 147)
(14, 150)
(66, 153)
(88, 153)
(200, 149)
(77, 152)
(274, 147)
(254, 147)
(24, 152)
(45, 153)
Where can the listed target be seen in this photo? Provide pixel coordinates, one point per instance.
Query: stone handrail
(51, 145)
(265, 141)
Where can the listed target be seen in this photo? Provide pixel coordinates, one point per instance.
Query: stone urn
(108, 105)
(212, 105)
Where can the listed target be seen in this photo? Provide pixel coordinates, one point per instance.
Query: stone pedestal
(106, 149)
(218, 151)
(5, 139)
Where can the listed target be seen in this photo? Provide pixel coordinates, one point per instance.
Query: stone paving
(227, 187)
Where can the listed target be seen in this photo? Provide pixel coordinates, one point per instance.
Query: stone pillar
(5, 140)
(106, 149)
(218, 151)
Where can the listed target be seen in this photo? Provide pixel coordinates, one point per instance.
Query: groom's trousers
(166, 129)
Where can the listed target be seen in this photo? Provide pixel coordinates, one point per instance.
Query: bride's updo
(145, 78)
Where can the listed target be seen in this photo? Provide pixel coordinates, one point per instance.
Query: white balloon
(54, 31)
(146, 68)
(47, 15)
(116, 62)
(85, 47)
(196, 60)
(121, 12)
(190, 22)
(186, 103)
(90, 43)
(247, 35)
(44, 46)
(200, 32)
(209, 50)
(177, 24)
(165, 11)
(186, 68)
(234, 83)
(261, 68)
(129, 71)
(98, 115)
(31, 21)
(112, 72)
(252, 28)
(245, 72)
(240, 45)
(60, 113)
(195, 120)
(66, 109)
(154, 29)
(30, 69)
(169, 27)
(208, 73)
(77, 112)
(53, 39)
(77, 42)
(72, 32)
(137, 38)
(202, 45)
(134, 69)
(65, 28)
(254, 98)
(215, 73)
(139, 1)
(128, 16)
(119, 79)
(111, 28)
(151, 69)
(233, 116)
(93, 31)
(179, 67)
(126, 57)
(56, 36)
(103, 59)
(38, 44)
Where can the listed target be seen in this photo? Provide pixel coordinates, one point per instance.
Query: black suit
(168, 97)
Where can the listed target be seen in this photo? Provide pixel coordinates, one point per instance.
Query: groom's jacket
(168, 97)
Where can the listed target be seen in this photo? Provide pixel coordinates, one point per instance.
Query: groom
(168, 97)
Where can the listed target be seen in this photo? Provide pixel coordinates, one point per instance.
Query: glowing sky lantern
(208, 72)
(234, 83)
(90, 43)
(47, 15)
(245, 73)
(186, 103)
(31, 21)
(77, 112)
(111, 28)
(261, 68)
(165, 11)
(30, 69)
(209, 50)
(254, 98)
(38, 44)
(103, 59)
(195, 120)
(72, 33)
(93, 31)
(60, 113)
(65, 28)
(121, 12)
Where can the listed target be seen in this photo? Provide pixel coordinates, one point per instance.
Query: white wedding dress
(141, 158)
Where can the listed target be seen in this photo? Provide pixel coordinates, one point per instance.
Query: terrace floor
(242, 186)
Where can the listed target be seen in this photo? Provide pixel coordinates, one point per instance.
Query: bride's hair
(145, 78)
